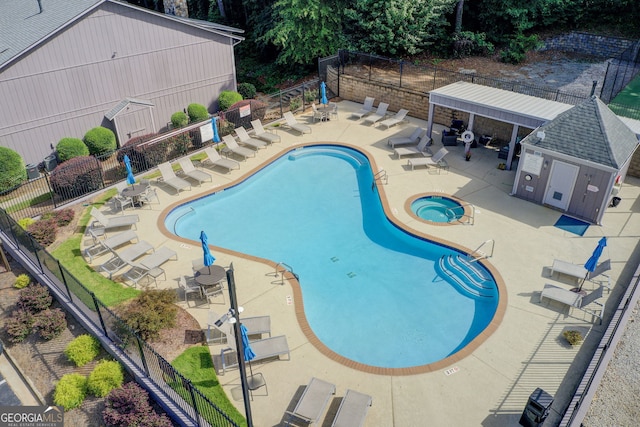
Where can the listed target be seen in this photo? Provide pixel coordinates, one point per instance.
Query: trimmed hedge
(150, 312)
(247, 90)
(13, 171)
(76, 177)
(50, 323)
(22, 281)
(179, 120)
(129, 406)
(44, 231)
(106, 376)
(227, 98)
(143, 157)
(62, 217)
(34, 298)
(197, 113)
(70, 391)
(19, 325)
(83, 349)
(100, 140)
(68, 148)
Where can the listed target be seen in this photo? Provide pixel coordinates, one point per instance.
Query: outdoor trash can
(537, 409)
(32, 171)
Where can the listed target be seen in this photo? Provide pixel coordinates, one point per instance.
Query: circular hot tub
(437, 209)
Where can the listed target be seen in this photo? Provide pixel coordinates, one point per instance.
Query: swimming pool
(372, 292)
(437, 208)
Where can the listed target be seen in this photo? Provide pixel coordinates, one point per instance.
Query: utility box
(32, 171)
(537, 409)
(50, 162)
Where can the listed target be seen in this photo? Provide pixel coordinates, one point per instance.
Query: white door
(562, 179)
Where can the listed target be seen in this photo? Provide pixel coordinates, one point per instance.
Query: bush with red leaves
(77, 176)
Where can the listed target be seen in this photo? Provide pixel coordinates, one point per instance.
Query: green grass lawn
(197, 366)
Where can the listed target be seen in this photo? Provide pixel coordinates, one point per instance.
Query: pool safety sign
(31, 416)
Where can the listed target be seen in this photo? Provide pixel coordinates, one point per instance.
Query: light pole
(239, 347)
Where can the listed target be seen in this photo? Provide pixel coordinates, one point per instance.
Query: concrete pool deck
(488, 387)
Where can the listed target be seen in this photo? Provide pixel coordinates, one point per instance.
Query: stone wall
(588, 44)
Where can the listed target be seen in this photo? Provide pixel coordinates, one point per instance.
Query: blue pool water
(371, 291)
(437, 209)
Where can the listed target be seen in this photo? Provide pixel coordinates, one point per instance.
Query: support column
(512, 146)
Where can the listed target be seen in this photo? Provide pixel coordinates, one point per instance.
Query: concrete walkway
(489, 387)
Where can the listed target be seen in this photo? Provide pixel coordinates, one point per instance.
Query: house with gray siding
(67, 66)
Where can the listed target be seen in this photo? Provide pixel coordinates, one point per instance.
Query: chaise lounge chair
(313, 402)
(169, 178)
(245, 139)
(367, 108)
(214, 158)
(436, 160)
(232, 146)
(378, 115)
(256, 325)
(106, 245)
(191, 172)
(574, 299)
(260, 133)
(149, 265)
(413, 139)
(353, 409)
(398, 118)
(265, 348)
(101, 221)
(422, 148)
(121, 259)
(578, 271)
(293, 123)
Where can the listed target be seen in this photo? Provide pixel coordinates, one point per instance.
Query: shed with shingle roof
(577, 162)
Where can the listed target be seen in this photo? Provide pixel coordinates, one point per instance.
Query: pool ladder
(380, 176)
(464, 219)
(285, 267)
(479, 254)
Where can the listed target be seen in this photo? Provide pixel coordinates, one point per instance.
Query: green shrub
(106, 376)
(129, 406)
(19, 325)
(467, 43)
(310, 96)
(44, 231)
(151, 312)
(100, 140)
(70, 391)
(50, 323)
(179, 120)
(13, 171)
(519, 45)
(76, 177)
(26, 222)
(227, 98)
(247, 90)
(197, 113)
(82, 350)
(573, 337)
(22, 281)
(34, 298)
(295, 103)
(68, 148)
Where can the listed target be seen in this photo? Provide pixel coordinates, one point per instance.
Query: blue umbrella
(208, 258)
(592, 262)
(323, 93)
(216, 137)
(130, 178)
(246, 346)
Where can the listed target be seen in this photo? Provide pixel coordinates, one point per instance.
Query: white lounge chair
(169, 178)
(367, 108)
(398, 118)
(313, 402)
(260, 133)
(256, 325)
(106, 245)
(101, 221)
(265, 348)
(245, 139)
(120, 259)
(214, 158)
(578, 271)
(574, 299)
(436, 160)
(191, 172)
(422, 148)
(232, 146)
(317, 114)
(412, 139)
(149, 265)
(352, 410)
(378, 115)
(293, 123)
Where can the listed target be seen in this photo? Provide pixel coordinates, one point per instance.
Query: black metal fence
(425, 78)
(181, 391)
(620, 72)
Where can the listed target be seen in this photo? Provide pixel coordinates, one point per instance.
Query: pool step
(465, 276)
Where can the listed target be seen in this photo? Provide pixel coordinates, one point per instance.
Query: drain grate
(351, 275)
(334, 259)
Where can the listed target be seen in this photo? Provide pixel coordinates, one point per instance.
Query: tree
(304, 30)
(459, 10)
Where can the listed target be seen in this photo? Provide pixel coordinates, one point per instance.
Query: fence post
(53, 194)
(64, 281)
(281, 109)
(370, 65)
(97, 306)
(142, 357)
(193, 399)
(401, 68)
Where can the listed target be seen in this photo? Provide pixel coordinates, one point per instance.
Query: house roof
(589, 131)
(122, 105)
(24, 25)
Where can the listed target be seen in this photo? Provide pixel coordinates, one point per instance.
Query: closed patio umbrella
(323, 93)
(592, 262)
(214, 123)
(208, 258)
(127, 164)
(246, 347)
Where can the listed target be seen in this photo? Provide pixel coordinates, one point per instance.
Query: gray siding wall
(65, 86)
